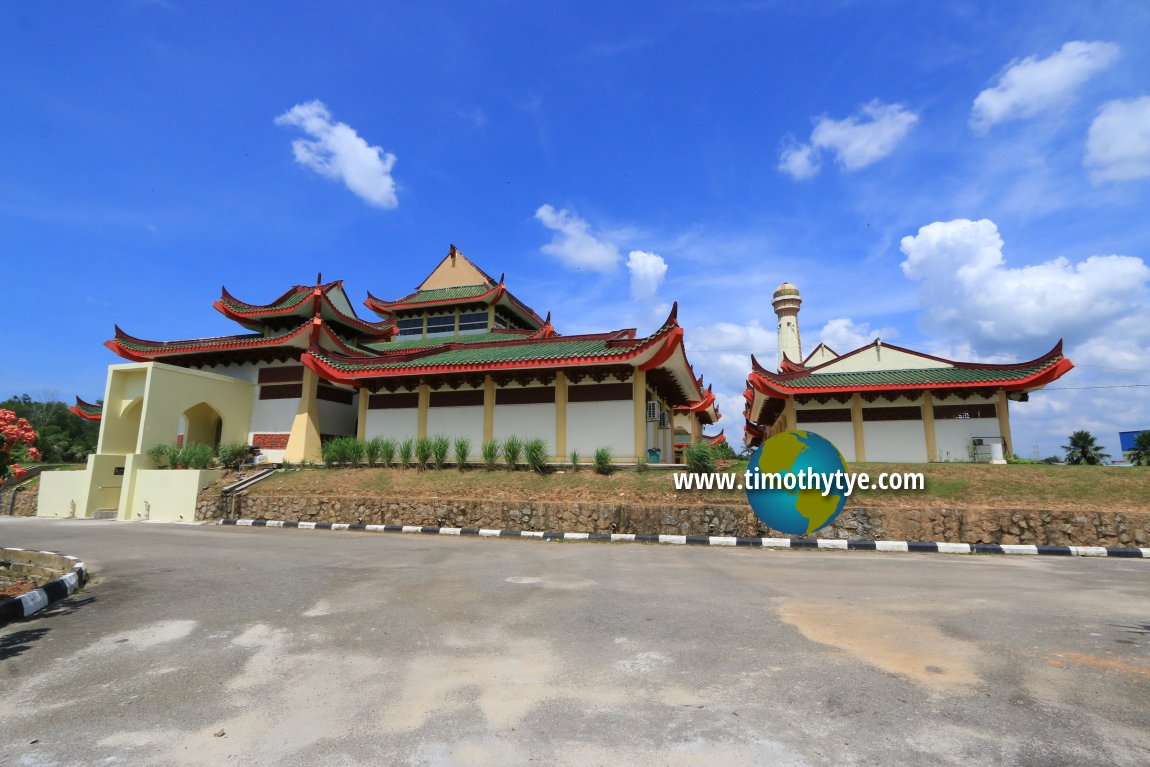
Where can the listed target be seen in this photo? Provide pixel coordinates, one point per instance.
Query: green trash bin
(653, 455)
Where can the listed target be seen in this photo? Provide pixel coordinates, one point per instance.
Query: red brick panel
(270, 441)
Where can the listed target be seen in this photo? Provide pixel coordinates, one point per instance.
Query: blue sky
(971, 180)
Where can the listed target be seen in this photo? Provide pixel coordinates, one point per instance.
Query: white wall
(337, 418)
(841, 434)
(247, 371)
(457, 422)
(273, 416)
(592, 425)
(536, 421)
(895, 441)
(397, 424)
(952, 435)
(883, 358)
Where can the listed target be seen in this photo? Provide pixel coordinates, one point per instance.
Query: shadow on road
(16, 643)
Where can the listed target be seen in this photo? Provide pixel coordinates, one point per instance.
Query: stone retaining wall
(23, 506)
(1056, 528)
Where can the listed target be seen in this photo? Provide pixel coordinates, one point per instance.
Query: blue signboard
(1126, 438)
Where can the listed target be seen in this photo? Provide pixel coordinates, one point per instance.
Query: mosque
(883, 402)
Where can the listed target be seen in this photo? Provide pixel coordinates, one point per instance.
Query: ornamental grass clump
(198, 456)
(462, 451)
(371, 449)
(161, 454)
(512, 451)
(387, 450)
(331, 452)
(490, 452)
(640, 464)
(535, 453)
(406, 450)
(700, 458)
(575, 460)
(440, 447)
(422, 452)
(603, 461)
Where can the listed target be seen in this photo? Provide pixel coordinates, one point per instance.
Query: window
(473, 322)
(652, 411)
(410, 326)
(663, 423)
(441, 325)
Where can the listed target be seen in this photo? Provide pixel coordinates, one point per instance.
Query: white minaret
(786, 302)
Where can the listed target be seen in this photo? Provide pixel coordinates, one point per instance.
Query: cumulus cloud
(969, 292)
(647, 273)
(1118, 145)
(337, 152)
(1030, 86)
(574, 244)
(856, 142)
(845, 335)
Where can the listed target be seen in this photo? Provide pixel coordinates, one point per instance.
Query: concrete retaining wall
(1056, 528)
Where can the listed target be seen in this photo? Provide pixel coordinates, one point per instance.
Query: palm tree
(1083, 448)
(1140, 455)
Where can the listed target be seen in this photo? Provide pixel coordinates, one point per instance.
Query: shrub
(574, 460)
(490, 451)
(603, 464)
(371, 450)
(198, 456)
(535, 451)
(354, 449)
(178, 455)
(440, 447)
(161, 454)
(231, 454)
(640, 464)
(406, 450)
(331, 452)
(512, 451)
(462, 451)
(422, 452)
(387, 450)
(700, 458)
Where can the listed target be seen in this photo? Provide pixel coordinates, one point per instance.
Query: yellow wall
(169, 495)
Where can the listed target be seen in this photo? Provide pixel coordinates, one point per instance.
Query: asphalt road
(335, 648)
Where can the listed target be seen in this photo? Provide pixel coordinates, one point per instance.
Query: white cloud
(1118, 145)
(1032, 85)
(799, 161)
(337, 152)
(845, 335)
(857, 141)
(969, 292)
(574, 244)
(647, 273)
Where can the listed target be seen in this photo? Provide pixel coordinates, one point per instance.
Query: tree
(1084, 449)
(61, 436)
(16, 434)
(1140, 455)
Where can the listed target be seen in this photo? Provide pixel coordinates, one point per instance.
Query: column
(792, 420)
(488, 408)
(639, 398)
(424, 398)
(1003, 410)
(303, 444)
(560, 416)
(361, 423)
(857, 423)
(928, 425)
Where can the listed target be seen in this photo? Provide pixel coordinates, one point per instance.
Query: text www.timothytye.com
(826, 483)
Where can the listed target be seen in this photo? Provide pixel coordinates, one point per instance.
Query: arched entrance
(203, 425)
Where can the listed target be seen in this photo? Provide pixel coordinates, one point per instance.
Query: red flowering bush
(15, 434)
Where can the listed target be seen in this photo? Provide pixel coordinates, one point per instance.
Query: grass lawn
(948, 485)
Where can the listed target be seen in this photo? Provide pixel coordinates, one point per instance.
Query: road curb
(25, 605)
(926, 547)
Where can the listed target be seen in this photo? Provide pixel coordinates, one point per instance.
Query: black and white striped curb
(931, 547)
(15, 608)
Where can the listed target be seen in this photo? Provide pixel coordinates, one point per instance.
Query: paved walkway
(306, 649)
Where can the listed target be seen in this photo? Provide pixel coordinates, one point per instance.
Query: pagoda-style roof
(902, 371)
(327, 301)
(485, 294)
(87, 410)
(660, 353)
(290, 342)
(823, 379)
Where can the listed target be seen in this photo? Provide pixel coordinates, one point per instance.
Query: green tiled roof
(400, 344)
(516, 352)
(442, 294)
(243, 308)
(253, 339)
(955, 375)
